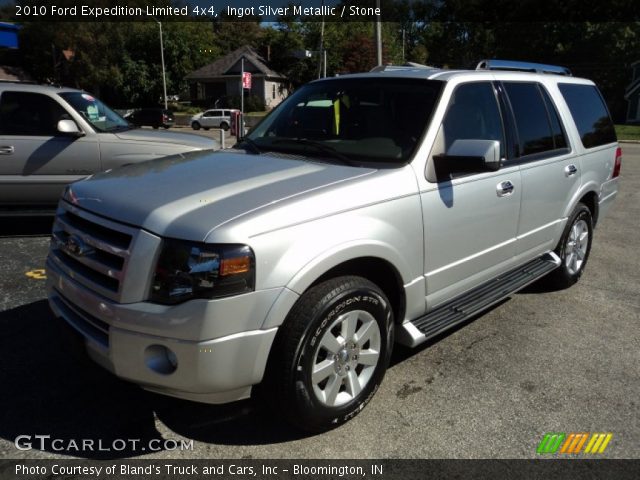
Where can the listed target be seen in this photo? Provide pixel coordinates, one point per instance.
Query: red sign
(246, 80)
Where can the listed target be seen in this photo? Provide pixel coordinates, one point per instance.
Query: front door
(471, 220)
(36, 161)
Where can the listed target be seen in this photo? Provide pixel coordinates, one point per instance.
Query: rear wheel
(224, 126)
(574, 248)
(195, 126)
(331, 354)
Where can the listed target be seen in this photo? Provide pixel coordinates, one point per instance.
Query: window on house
(273, 91)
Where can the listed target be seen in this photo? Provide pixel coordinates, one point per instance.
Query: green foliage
(118, 61)
(628, 132)
(121, 61)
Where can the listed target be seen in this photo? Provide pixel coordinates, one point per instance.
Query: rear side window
(589, 113)
(538, 126)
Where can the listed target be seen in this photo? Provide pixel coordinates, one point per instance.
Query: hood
(186, 196)
(198, 142)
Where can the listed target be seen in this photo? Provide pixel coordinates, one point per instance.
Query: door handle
(570, 170)
(6, 150)
(504, 189)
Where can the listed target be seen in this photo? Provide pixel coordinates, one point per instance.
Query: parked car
(152, 117)
(365, 210)
(215, 118)
(52, 136)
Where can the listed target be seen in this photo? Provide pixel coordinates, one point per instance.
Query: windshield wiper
(318, 146)
(251, 144)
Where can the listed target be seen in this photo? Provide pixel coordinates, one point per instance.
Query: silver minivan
(50, 137)
(215, 118)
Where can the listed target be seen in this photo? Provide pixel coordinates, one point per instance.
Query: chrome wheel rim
(576, 248)
(346, 358)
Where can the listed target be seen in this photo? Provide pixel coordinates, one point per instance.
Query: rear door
(597, 137)
(36, 161)
(471, 220)
(550, 170)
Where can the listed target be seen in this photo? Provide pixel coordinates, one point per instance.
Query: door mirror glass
(69, 128)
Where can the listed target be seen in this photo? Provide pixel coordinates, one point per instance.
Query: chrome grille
(91, 250)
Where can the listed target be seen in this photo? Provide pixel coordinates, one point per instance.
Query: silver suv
(366, 210)
(52, 136)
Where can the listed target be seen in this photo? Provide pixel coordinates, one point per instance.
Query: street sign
(246, 80)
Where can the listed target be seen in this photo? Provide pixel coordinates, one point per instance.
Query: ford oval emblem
(77, 247)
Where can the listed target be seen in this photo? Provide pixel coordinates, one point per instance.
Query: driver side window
(32, 114)
(472, 114)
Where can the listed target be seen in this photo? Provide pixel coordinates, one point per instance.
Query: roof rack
(404, 66)
(28, 82)
(522, 67)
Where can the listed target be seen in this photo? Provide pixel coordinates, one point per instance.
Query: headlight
(187, 270)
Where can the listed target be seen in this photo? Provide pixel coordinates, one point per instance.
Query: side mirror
(469, 156)
(69, 128)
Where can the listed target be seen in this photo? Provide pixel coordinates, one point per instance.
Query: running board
(476, 300)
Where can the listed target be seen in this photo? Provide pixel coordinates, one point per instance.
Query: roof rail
(522, 67)
(404, 66)
(28, 82)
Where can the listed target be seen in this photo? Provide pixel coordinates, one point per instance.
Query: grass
(628, 132)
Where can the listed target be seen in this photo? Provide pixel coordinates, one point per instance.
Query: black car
(153, 117)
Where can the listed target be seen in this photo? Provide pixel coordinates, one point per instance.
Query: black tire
(167, 127)
(224, 126)
(573, 255)
(195, 126)
(155, 127)
(313, 321)
(206, 128)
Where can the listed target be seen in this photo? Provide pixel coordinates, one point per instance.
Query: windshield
(361, 119)
(101, 117)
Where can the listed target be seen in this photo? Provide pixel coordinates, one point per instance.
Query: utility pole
(321, 49)
(242, 85)
(378, 34)
(164, 75)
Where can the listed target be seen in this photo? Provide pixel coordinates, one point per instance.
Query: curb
(629, 141)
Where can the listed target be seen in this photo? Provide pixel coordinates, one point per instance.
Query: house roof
(230, 65)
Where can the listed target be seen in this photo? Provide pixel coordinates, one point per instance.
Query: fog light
(160, 359)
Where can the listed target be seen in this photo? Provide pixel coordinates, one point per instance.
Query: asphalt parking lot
(542, 361)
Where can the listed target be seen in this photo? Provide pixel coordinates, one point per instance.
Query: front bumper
(120, 338)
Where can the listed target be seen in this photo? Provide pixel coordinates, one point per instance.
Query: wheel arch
(587, 195)
(377, 270)
(590, 199)
(376, 264)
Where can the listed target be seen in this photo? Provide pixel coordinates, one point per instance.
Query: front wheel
(195, 126)
(331, 354)
(574, 248)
